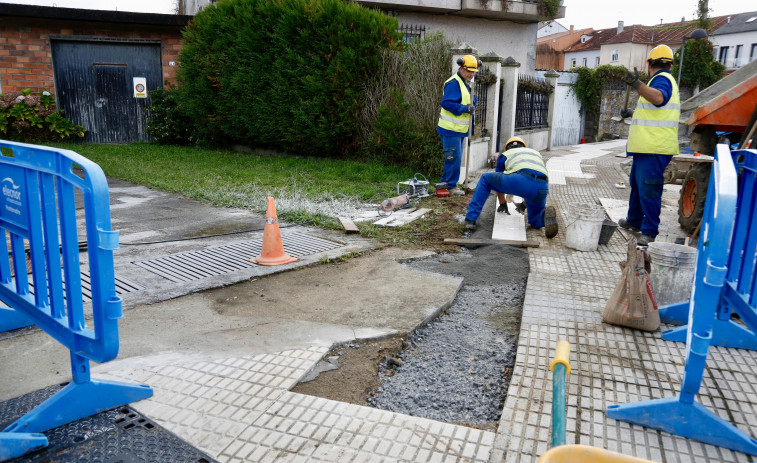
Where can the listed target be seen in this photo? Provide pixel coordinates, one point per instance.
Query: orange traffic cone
(273, 251)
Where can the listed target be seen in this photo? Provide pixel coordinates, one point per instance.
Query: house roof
(78, 14)
(739, 23)
(662, 33)
(598, 37)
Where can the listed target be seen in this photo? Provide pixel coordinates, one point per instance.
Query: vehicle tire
(693, 196)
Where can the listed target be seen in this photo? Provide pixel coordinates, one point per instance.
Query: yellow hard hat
(661, 53)
(514, 139)
(469, 62)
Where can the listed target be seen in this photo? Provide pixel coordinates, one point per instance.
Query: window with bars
(411, 32)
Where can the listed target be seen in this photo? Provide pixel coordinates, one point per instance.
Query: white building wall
(590, 55)
(553, 27)
(502, 37)
(745, 39)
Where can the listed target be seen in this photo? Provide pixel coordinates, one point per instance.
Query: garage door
(95, 86)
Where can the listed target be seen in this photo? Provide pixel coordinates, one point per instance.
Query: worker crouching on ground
(652, 141)
(520, 171)
(455, 120)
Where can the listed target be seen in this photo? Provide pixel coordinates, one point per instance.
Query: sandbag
(632, 303)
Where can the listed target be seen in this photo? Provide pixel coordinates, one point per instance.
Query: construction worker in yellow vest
(652, 141)
(455, 120)
(520, 171)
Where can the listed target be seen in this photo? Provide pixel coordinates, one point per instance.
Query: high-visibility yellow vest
(654, 129)
(450, 121)
(524, 158)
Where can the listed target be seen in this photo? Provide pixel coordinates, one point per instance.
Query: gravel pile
(458, 367)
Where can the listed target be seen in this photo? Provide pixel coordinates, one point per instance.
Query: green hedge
(282, 74)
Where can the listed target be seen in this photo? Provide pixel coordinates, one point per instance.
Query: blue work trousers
(645, 203)
(453, 155)
(533, 190)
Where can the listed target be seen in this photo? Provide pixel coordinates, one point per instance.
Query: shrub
(168, 123)
(700, 68)
(285, 74)
(591, 82)
(399, 119)
(26, 117)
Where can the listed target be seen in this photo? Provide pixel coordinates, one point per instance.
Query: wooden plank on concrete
(509, 227)
(348, 225)
(485, 242)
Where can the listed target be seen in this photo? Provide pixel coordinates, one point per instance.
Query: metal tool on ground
(414, 187)
(389, 205)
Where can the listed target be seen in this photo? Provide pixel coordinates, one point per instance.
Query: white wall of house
(553, 27)
(578, 58)
(504, 38)
(626, 54)
(748, 52)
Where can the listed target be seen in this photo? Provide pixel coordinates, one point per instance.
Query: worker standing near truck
(520, 171)
(652, 142)
(455, 121)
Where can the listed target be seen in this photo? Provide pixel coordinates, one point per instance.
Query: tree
(700, 69)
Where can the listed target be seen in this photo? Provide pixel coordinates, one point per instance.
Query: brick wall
(26, 57)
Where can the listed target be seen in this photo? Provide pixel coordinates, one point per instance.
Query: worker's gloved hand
(632, 78)
(503, 208)
(471, 108)
(624, 113)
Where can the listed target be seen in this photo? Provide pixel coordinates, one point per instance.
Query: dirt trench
(455, 369)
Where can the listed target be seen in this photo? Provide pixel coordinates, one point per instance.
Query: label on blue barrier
(13, 198)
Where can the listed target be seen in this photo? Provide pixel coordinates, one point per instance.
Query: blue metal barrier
(737, 293)
(682, 415)
(38, 208)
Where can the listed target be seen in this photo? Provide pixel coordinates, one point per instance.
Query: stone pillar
(551, 78)
(509, 95)
(493, 62)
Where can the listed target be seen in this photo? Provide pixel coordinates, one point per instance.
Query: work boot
(550, 222)
(644, 240)
(456, 192)
(470, 225)
(625, 225)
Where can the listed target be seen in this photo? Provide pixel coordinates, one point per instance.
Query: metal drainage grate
(122, 287)
(195, 265)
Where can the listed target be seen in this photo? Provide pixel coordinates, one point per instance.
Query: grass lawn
(307, 190)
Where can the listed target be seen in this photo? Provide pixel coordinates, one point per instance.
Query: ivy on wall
(591, 82)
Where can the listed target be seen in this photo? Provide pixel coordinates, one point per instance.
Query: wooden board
(348, 225)
(485, 242)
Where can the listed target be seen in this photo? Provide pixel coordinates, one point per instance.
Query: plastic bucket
(583, 232)
(672, 271)
(608, 228)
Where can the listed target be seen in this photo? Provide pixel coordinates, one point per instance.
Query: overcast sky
(599, 14)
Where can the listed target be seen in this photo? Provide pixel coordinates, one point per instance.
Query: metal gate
(94, 83)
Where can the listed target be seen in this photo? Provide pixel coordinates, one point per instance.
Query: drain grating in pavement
(195, 265)
(118, 435)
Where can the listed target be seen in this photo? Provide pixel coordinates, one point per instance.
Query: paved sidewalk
(234, 403)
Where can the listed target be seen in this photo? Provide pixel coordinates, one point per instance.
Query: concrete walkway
(222, 369)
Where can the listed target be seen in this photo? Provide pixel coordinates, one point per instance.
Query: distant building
(587, 51)
(550, 49)
(736, 41)
(550, 28)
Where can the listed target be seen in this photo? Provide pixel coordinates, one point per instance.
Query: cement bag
(632, 303)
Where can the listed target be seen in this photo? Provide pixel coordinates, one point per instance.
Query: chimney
(571, 28)
(683, 20)
(729, 19)
(620, 27)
